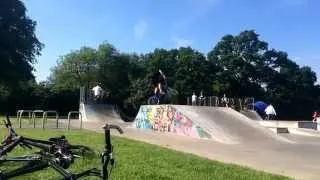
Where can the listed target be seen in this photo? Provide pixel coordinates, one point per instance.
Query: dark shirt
(157, 78)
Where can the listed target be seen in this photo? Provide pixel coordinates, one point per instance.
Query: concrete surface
(290, 124)
(226, 122)
(251, 114)
(257, 147)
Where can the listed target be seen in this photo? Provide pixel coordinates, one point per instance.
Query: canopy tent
(260, 106)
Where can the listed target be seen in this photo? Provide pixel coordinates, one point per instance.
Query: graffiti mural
(165, 118)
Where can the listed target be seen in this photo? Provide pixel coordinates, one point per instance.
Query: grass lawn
(137, 160)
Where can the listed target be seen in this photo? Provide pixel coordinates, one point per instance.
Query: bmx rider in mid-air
(159, 86)
(159, 82)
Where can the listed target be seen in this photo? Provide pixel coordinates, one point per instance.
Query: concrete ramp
(99, 112)
(221, 124)
(251, 114)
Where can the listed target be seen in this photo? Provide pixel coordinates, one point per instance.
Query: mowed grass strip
(137, 160)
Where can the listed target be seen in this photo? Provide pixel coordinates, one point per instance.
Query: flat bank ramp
(229, 123)
(251, 114)
(221, 124)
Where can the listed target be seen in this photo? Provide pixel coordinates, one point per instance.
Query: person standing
(225, 100)
(270, 112)
(97, 92)
(315, 117)
(194, 99)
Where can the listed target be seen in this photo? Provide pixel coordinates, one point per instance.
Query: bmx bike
(56, 153)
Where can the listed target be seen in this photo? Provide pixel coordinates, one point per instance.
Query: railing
(45, 118)
(20, 113)
(34, 115)
(236, 103)
(80, 117)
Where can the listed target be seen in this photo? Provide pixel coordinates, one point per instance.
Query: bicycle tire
(153, 100)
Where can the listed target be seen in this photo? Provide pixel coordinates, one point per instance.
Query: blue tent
(260, 106)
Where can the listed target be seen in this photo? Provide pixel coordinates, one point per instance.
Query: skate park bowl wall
(166, 118)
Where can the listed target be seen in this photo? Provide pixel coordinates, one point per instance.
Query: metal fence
(35, 115)
(236, 103)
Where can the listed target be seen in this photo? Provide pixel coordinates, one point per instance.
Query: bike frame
(48, 156)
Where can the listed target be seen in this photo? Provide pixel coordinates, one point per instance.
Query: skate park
(227, 134)
(220, 133)
(159, 90)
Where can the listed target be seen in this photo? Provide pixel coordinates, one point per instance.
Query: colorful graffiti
(165, 118)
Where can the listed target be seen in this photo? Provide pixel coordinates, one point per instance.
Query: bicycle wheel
(153, 100)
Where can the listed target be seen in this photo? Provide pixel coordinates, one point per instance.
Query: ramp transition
(221, 124)
(99, 112)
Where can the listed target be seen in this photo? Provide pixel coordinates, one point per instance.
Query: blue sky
(142, 25)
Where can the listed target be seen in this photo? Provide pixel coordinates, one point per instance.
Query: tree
(75, 69)
(241, 63)
(247, 67)
(19, 45)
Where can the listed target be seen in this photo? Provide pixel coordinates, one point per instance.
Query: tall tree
(19, 45)
(75, 69)
(247, 67)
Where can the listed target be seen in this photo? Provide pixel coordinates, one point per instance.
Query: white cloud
(140, 29)
(181, 42)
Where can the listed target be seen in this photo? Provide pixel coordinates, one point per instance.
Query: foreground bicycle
(56, 153)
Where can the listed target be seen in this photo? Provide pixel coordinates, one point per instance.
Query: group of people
(194, 98)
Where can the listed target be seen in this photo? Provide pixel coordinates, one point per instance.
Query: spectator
(315, 117)
(201, 99)
(194, 99)
(224, 100)
(97, 92)
(270, 112)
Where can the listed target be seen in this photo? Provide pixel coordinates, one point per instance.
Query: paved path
(294, 160)
(238, 140)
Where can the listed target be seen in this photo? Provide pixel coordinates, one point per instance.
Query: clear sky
(142, 25)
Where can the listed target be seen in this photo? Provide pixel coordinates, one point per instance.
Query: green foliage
(137, 160)
(75, 69)
(31, 95)
(18, 43)
(239, 66)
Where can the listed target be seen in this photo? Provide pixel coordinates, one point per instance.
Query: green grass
(137, 160)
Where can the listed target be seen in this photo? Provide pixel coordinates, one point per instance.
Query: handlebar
(112, 126)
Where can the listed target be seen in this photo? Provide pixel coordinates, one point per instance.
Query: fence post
(20, 119)
(57, 121)
(19, 116)
(80, 118)
(43, 119)
(34, 116)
